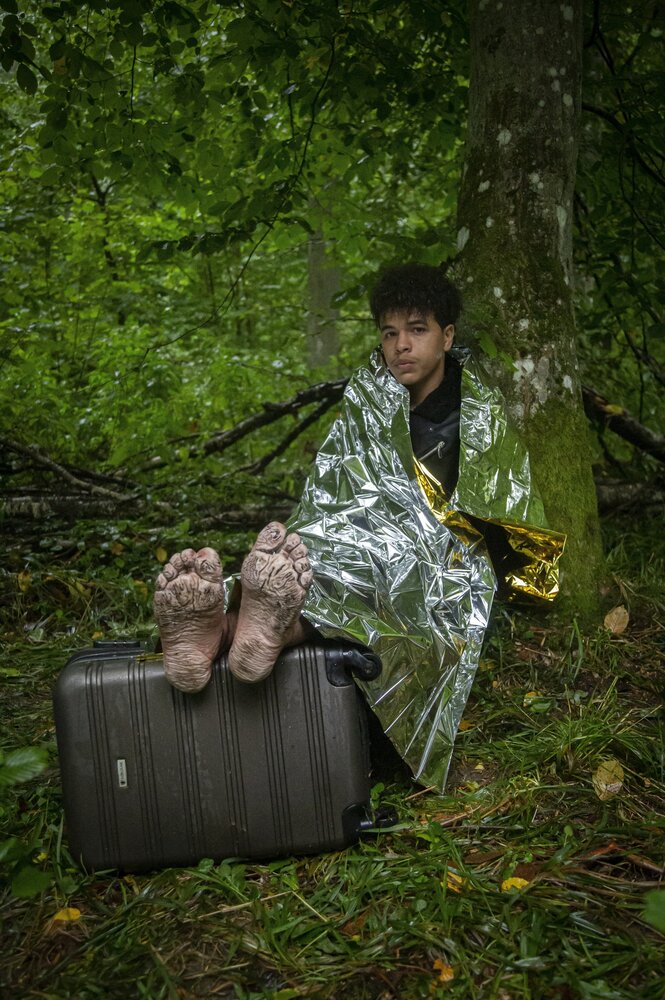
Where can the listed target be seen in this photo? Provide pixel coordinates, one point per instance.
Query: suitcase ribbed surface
(153, 777)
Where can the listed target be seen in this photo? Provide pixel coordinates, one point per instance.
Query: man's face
(415, 347)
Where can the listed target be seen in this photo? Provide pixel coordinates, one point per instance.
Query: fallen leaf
(616, 620)
(479, 767)
(68, 915)
(453, 881)
(117, 548)
(537, 702)
(476, 857)
(353, 927)
(24, 578)
(528, 870)
(97, 635)
(527, 653)
(608, 779)
(446, 972)
(599, 852)
(161, 555)
(464, 726)
(513, 883)
(529, 697)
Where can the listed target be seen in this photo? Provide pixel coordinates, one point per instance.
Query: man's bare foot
(275, 578)
(189, 608)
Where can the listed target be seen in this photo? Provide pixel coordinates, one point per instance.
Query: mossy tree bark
(514, 236)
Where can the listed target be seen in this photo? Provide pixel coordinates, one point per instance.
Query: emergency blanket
(398, 568)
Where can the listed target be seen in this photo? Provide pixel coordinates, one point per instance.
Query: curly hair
(419, 287)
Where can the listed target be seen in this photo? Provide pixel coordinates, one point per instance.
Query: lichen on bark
(515, 262)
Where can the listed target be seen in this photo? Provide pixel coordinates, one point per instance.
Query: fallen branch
(257, 467)
(621, 422)
(618, 496)
(271, 412)
(32, 452)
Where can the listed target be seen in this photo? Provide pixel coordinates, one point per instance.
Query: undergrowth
(422, 910)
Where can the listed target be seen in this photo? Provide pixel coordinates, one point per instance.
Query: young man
(386, 548)
(415, 309)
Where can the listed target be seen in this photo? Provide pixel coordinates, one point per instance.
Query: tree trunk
(322, 286)
(514, 236)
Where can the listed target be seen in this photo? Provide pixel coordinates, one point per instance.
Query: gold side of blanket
(541, 548)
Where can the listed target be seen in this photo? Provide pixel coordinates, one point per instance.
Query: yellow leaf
(479, 767)
(529, 697)
(513, 883)
(453, 881)
(141, 586)
(161, 554)
(24, 579)
(464, 725)
(446, 972)
(69, 915)
(608, 779)
(616, 620)
(486, 665)
(117, 548)
(42, 856)
(98, 635)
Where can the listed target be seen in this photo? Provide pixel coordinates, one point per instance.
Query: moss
(518, 268)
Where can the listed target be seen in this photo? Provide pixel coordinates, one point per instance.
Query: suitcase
(154, 778)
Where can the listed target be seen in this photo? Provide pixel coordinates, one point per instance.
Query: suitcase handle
(343, 664)
(118, 645)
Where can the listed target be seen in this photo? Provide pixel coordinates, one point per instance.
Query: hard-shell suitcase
(153, 777)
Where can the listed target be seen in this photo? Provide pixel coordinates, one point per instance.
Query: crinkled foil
(398, 568)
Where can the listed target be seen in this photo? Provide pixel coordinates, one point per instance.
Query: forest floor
(539, 874)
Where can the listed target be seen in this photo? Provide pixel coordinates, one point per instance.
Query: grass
(418, 911)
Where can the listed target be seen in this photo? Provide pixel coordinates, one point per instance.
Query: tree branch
(257, 467)
(618, 496)
(48, 463)
(628, 135)
(330, 391)
(621, 422)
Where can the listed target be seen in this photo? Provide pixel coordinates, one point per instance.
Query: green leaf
(26, 79)
(29, 881)
(11, 849)
(654, 909)
(487, 345)
(22, 764)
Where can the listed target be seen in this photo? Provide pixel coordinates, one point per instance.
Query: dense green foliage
(164, 165)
